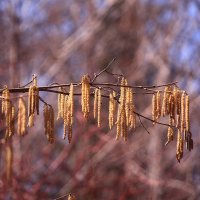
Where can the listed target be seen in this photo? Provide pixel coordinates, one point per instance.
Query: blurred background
(154, 42)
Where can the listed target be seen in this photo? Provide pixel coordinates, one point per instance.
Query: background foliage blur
(154, 42)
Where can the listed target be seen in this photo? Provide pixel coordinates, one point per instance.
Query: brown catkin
(154, 104)
(158, 105)
(187, 111)
(179, 148)
(182, 111)
(48, 114)
(95, 102)
(21, 129)
(99, 108)
(51, 119)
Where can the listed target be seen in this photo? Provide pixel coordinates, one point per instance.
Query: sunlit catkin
(158, 105)
(66, 116)
(99, 108)
(111, 109)
(127, 105)
(5, 101)
(118, 123)
(21, 120)
(85, 97)
(71, 102)
(165, 101)
(95, 102)
(187, 111)
(182, 111)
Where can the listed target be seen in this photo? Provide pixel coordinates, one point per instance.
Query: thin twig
(96, 75)
(143, 125)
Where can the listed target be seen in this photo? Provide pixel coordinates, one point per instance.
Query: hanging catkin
(66, 116)
(61, 98)
(187, 111)
(111, 109)
(179, 148)
(165, 101)
(158, 105)
(71, 99)
(21, 120)
(121, 115)
(95, 102)
(85, 98)
(99, 108)
(33, 102)
(5, 101)
(183, 112)
(48, 114)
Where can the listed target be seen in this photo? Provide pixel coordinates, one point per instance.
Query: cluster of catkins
(175, 104)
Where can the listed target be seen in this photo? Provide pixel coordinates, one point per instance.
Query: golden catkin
(111, 110)
(21, 120)
(127, 105)
(158, 105)
(179, 148)
(65, 117)
(182, 111)
(5, 101)
(165, 101)
(31, 120)
(9, 163)
(99, 108)
(154, 104)
(85, 97)
(95, 101)
(187, 111)
(121, 115)
(118, 123)
(30, 99)
(71, 99)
